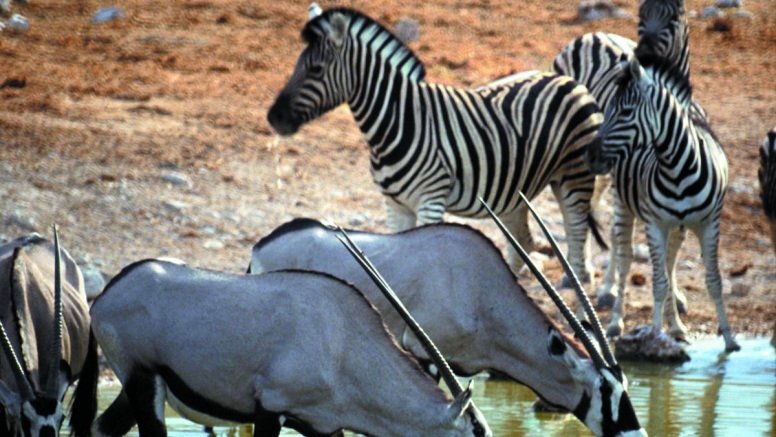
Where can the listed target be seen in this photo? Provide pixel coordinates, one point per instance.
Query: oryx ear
(459, 405)
(338, 28)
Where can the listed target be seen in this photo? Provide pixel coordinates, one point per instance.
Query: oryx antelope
(434, 148)
(45, 340)
(298, 349)
(456, 283)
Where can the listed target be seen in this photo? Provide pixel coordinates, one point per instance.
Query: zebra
(671, 172)
(435, 148)
(595, 60)
(767, 176)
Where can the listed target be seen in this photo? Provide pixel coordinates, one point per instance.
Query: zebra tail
(595, 228)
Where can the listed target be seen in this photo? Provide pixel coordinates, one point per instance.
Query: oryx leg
(147, 393)
(266, 424)
(620, 261)
(117, 419)
(671, 310)
(709, 239)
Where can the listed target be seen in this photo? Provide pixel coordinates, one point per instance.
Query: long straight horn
(52, 384)
(582, 297)
(428, 345)
(554, 295)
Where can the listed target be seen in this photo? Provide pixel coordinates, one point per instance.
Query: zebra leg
(671, 310)
(709, 238)
(658, 248)
(400, 218)
(620, 260)
(575, 210)
(517, 223)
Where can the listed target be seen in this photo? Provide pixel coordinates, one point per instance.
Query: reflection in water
(711, 396)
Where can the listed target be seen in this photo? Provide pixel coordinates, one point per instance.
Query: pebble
(25, 222)
(18, 22)
(740, 289)
(408, 30)
(176, 178)
(176, 205)
(711, 12)
(213, 244)
(94, 281)
(107, 14)
(730, 3)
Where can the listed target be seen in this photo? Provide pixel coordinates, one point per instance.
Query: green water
(712, 395)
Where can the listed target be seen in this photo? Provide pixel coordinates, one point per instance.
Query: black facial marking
(557, 346)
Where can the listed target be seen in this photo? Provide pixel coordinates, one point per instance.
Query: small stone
(740, 289)
(107, 14)
(25, 222)
(730, 3)
(176, 205)
(94, 281)
(175, 178)
(743, 14)
(408, 30)
(18, 22)
(213, 244)
(5, 7)
(711, 12)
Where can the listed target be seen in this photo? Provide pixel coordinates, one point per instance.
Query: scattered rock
(176, 205)
(408, 30)
(740, 270)
(176, 178)
(599, 9)
(25, 222)
(94, 281)
(17, 22)
(641, 253)
(740, 289)
(711, 12)
(358, 219)
(645, 343)
(638, 279)
(213, 244)
(107, 14)
(5, 7)
(743, 14)
(730, 3)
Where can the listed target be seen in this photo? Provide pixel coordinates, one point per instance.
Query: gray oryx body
(47, 346)
(299, 349)
(456, 284)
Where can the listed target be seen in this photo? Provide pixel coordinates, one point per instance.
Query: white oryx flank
(298, 349)
(457, 285)
(45, 340)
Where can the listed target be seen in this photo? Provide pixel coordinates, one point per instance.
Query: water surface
(713, 395)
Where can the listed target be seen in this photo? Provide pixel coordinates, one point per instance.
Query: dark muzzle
(282, 117)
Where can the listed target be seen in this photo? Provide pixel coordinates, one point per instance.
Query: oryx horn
(52, 384)
(582, 297)
(595, 355)
(444, 369)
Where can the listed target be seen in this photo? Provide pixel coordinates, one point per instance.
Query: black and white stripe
(435, 148)
(767, 176)
(669, 171)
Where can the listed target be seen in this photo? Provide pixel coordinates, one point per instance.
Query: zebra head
(663, 30)
(319, 82)
(630, 121)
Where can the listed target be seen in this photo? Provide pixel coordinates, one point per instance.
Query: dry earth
(93, 116)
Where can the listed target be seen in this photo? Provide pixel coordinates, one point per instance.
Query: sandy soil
(93, 116)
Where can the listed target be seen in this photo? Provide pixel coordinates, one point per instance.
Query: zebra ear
(314, 10)
(635, 69)
(338, 27)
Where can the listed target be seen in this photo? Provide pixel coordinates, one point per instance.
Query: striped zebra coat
(767, 176)
(669, 171)
(595, 60)
(435, 148)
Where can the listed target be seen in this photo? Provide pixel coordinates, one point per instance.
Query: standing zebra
(670, 171)
(436, 148)
(767, 176)
(595, 60)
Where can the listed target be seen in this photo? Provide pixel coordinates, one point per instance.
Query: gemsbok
(45, 340)
(457, 285)
(297, 349)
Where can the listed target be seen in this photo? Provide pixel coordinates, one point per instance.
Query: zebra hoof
(613, 331)
(605, 302)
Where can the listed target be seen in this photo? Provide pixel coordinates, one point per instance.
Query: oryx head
(462, 408)
(606, 408)
(30, 412)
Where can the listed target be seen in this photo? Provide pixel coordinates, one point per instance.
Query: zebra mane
(314, 29)
(664, 72)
